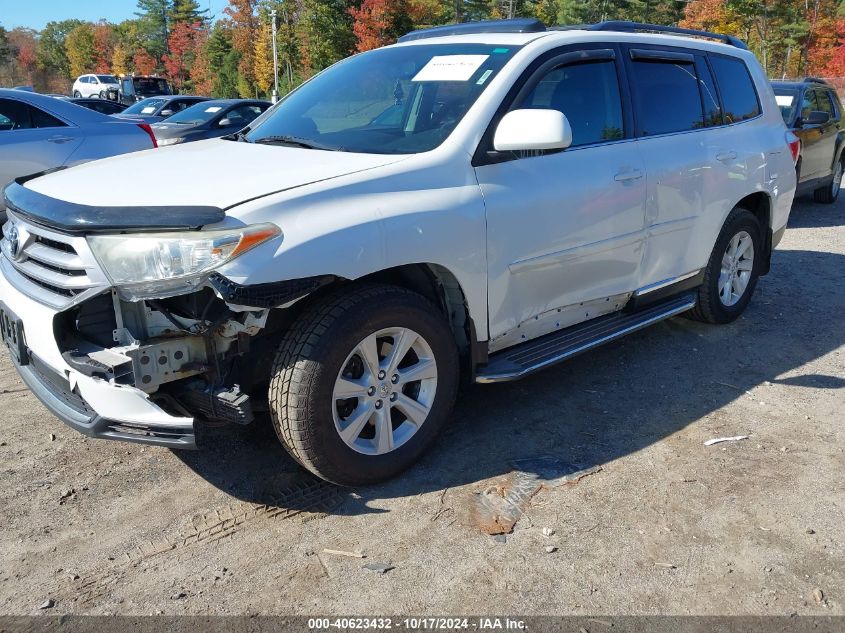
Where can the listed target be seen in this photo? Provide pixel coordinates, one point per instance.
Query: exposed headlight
(161, 264)
(162, 142)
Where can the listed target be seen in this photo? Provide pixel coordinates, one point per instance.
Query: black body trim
(623, 26)
(513, 25)
(79, 218)
(268, 295)
(661, 55)
(638, 302)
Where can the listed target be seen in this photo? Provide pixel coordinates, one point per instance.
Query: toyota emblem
(14, 241)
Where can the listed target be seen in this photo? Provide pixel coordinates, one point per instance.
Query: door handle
(625, 176)
(60, 139)
(726, 156)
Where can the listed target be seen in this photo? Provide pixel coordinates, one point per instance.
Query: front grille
(51, 267)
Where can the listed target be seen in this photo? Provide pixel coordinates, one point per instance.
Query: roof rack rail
(514, 25)
(815, 80)
(625, 26)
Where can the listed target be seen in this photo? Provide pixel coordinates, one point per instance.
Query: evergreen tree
(187, 11)
(154, 25)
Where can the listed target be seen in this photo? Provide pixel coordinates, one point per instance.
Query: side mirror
(816, 117)
(225, 122)
(166, 113)
(525, 130)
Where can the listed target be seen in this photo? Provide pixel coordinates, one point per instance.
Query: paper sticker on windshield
(214, 109)
(450, 68)
(148, 110)
(784, 100)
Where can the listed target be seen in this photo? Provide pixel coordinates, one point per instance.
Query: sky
(36, 13)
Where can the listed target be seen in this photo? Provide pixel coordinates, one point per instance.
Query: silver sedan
(38, 132)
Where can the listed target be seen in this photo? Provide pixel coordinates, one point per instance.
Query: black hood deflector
(79, 218)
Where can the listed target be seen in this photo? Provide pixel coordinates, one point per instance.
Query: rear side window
(736, 87)
(824, 102)
(41, 119)
(588, 94)
(668, 96)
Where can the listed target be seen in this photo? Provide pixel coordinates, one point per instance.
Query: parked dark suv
(812, 110)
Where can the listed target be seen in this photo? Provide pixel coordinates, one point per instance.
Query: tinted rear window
(668, 97)
(738, 94)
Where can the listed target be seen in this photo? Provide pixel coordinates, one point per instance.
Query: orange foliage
(145, 64)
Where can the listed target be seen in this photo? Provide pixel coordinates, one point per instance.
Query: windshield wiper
(294, 142)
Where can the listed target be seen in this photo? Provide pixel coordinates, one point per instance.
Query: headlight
(162, 142)
(160, 264)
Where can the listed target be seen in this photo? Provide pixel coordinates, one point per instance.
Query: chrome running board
(524, 359)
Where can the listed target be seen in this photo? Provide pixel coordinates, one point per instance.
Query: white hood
(213, 173)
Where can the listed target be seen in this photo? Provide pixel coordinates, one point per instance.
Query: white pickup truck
(476, 201)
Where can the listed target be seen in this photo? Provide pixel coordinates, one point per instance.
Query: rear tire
(732, 271)
(343, 346)
(77, 94)
(830, 192)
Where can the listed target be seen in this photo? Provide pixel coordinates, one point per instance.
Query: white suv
(95, 86)
(476, 201)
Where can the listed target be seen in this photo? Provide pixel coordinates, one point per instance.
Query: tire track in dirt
(305, 498)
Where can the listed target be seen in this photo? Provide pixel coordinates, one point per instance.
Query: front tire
(830, 192)
(732, 271)
(362, 383)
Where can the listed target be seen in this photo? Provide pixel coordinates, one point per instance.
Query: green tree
(5, 50)
(187, 11)
(51, 54)
(223, 60)
(154, 25)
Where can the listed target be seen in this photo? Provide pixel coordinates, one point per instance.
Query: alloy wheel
(737, 265)
(384, 391)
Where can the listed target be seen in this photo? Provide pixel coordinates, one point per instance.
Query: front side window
(588, 94)
(668, 96)
(808, 103)
(14, 115)
(736, 87)
(399, 100)
(824, 102)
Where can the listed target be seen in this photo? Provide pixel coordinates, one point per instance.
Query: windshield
(787, 99)
(400, 100)
(150, 86)
(107, 79)
(147, 106)
(199, 113)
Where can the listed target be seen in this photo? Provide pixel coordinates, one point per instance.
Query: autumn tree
(379, 22)
(243, 24)
(81, 52)
(104, 42)
(263, 55)
(182, 46)
(202, 73)
(145, 64)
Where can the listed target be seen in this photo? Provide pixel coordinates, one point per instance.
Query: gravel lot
(667, 526)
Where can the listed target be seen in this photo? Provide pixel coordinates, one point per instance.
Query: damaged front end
(129, 331)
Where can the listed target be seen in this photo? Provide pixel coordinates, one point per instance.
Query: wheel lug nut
(381, 375)
(378, 404)
(394, 379)
(371, 391)
(393, 397)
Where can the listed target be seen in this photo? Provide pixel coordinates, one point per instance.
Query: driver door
(565, 229)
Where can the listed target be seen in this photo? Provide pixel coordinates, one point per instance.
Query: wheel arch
(759, 203)
(440, 286)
